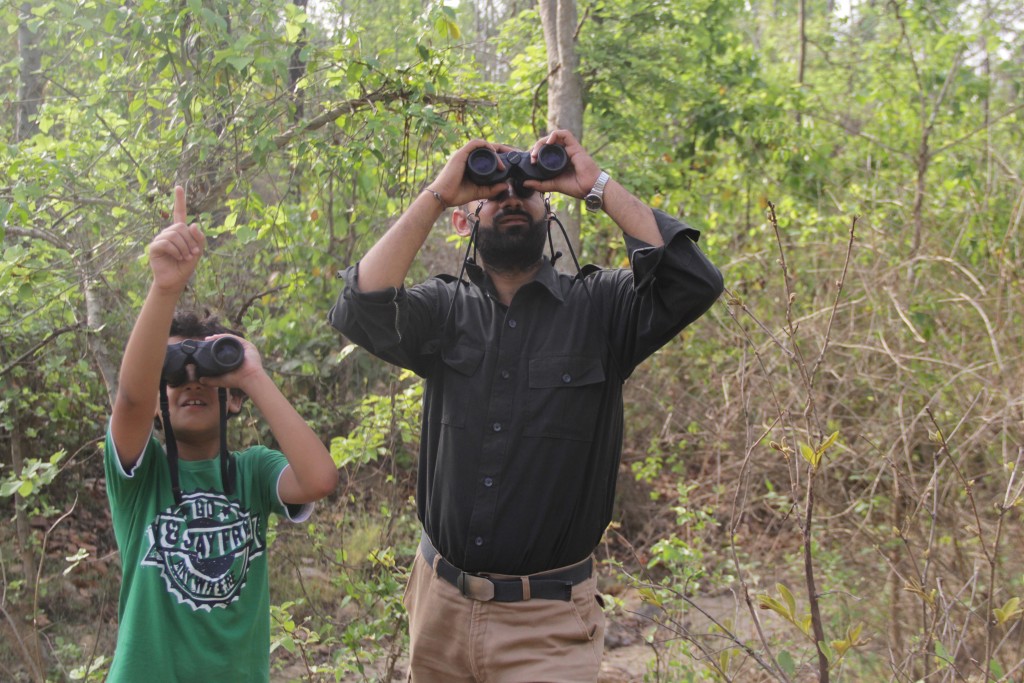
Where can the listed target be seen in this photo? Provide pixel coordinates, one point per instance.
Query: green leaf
(768, 602)
(828, 442)
(216, 20)
(809, 455)
(1010, 610)
(110, 21)
(788, 597)
(293, 31)
(239, 62)
(786, 663)
(650, 596)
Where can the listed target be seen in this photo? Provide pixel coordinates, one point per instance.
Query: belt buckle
(475, 587)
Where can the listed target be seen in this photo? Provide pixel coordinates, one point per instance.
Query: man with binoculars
(522, 410)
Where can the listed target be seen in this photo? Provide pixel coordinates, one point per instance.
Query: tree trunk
(28, 637)
(30, 85)
(96, 306)
(29, 98)
(802, 57)
(565, 94)
(487, 18)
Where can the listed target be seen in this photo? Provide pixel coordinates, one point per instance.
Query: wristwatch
(595, 198)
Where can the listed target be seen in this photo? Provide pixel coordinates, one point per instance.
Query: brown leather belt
(553, 585)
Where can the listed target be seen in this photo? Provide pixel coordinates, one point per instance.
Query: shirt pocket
(564, 397)
(461, 383)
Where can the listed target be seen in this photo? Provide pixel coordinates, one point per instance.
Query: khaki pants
(457, 639)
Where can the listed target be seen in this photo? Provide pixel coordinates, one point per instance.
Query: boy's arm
(311, 473)
(173, 255)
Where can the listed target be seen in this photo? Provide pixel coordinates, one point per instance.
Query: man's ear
(462, 222)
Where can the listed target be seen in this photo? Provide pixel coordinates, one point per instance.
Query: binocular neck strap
(613, 361)
(172, 443)
(462, 271)
(227, 471)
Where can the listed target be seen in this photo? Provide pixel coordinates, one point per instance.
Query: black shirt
(522, 407)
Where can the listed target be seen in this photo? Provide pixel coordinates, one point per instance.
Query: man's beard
(513, 249)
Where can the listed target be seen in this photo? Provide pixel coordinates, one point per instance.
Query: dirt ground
(627, 656)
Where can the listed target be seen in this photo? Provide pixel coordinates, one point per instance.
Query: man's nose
(509, 195)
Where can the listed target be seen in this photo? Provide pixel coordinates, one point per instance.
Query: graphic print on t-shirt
(203, 548)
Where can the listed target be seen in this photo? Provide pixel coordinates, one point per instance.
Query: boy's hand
(251, 367)
(174, 253)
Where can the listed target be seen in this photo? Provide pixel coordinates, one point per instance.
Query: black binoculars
(210, 357)
(482, 166)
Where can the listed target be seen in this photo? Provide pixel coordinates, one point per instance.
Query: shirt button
(478, 540)
(488, 482)
(505, 374)
(512, 323)
(566, 378)
(496, 426)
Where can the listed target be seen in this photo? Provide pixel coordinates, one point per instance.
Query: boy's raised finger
(180, 214)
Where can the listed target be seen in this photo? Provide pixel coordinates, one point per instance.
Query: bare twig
(26, 656)
(835, 305)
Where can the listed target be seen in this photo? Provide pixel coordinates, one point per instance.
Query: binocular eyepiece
(483, 168)
(209, 357)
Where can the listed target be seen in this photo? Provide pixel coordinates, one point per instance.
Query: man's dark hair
(189, 325)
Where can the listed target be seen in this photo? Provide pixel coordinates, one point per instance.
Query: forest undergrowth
(824, 475)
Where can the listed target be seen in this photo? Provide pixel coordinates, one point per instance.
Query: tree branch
(50, 337)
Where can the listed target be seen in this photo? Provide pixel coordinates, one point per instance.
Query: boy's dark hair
(189, 325)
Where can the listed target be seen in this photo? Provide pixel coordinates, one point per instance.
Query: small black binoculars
(482, 166)
(209, 357)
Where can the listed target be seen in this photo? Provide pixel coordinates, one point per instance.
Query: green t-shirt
(195, 600)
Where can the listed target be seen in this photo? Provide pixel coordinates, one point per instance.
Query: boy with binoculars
(189, 517)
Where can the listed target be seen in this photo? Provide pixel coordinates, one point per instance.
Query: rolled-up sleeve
(368, 318)
(396, 325)
(673, 285)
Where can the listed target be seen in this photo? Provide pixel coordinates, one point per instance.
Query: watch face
(593, 202)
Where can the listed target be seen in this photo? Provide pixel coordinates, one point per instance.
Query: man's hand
(174, 253)
(576, 181)
(455, 187)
